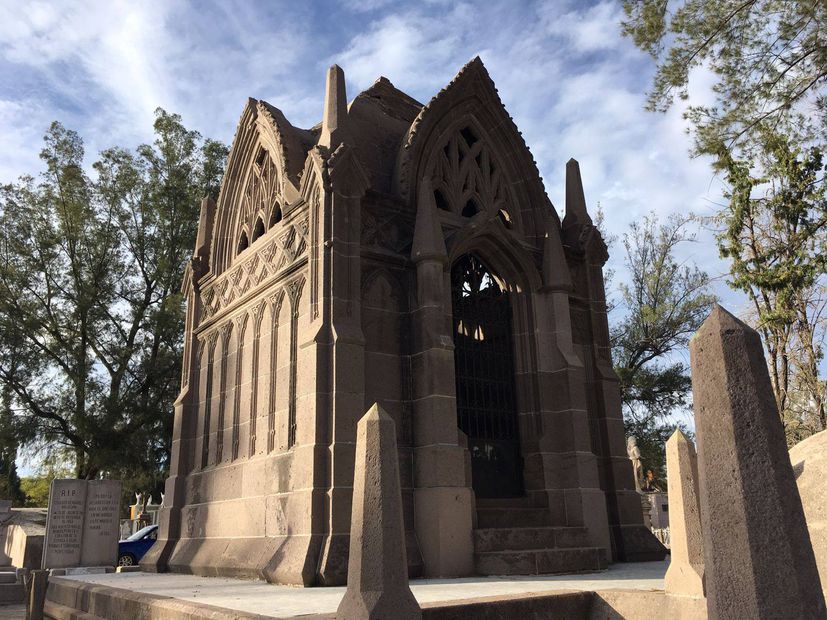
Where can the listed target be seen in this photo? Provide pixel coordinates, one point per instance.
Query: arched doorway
(485, 387)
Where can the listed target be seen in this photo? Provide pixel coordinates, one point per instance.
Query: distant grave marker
(82, 523)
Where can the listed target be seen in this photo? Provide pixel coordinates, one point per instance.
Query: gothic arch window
(243, 242)
(275, 215)
(258, 229)
(471, 208)
(486, 390)
(466, 178)
(260, 192)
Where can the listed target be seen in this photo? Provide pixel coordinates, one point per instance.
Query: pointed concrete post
(377, 579)
(334, 121)
(686, 568)
(759, 562)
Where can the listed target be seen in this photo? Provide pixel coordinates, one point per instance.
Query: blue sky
(574, 86)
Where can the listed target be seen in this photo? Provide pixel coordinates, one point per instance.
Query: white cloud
(414, 50)
(574, 85)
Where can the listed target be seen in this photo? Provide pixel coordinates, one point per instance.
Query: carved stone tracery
(466, 177)
(272, 258)
(261, 200)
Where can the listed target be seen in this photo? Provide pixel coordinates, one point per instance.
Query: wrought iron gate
(484, 364)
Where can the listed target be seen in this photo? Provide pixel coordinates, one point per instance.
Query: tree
(36, 488)
(774, 231)
(769, 58)
(9, 480)
(766, 133)
(91, 317)
(665, 302)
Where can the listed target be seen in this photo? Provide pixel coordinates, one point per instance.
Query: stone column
(758, 558)
(443, 504)
(377, 582)
(686, 568)
(347, 381)
(184, 429)
(570, 467)
(586, 253)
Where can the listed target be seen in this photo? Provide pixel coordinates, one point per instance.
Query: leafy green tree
(774, 231)
(91, 320)
(36, 488)
(9, 480)
(769, 58)
(664, 303)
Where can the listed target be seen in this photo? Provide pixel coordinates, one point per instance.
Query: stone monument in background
(82, 526)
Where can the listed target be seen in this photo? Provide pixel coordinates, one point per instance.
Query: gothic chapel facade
(406, 255)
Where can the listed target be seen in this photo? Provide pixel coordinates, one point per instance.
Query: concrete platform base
(623, 591)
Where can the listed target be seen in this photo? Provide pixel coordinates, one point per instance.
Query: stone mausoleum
(408, 255)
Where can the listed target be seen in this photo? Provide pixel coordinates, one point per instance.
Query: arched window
(243, 243)
(275, 215)
(440, 200)
(485, 378)
(258, 230)
(471, 208)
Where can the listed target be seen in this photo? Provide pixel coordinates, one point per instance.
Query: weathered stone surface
(321, 282)
(809, 461)
(100, 523)
(37, 582)
(377, 583)
(759, 562)
(686, 567)
(82, 523)
(64, 524)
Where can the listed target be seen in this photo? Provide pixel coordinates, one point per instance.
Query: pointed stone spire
(428, 241)
(576, 214)
(555, 268)
(205, 221)
(758, 558)
(334, 123)
(377, 574)
(685, 575)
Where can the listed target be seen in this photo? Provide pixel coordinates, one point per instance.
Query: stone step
(541, 561)
(512, 517)
(522, 538)
(61, 612)
(504, 502)
(12, 593)
(7, 569)
(8, 577)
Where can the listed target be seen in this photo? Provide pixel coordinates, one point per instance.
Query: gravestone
(101, 529)
(82, 523)
(758, 558)
(64, 523)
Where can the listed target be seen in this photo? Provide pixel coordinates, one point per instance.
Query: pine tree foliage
(774, 232)
(769, 58)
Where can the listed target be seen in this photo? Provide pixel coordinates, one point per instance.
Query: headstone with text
(82, 523)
